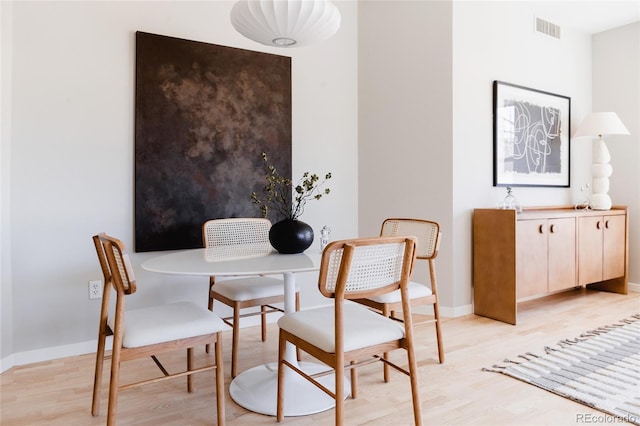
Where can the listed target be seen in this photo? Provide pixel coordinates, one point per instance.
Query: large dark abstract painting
(531, 137)
(204, 115)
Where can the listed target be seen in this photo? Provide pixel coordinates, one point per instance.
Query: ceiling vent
(548, 28)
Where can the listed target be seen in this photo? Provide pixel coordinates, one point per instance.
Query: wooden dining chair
(148, 332)
(428, 235)
(243, 237)
(347, 335)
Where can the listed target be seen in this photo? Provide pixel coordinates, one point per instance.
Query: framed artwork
(530, 137)
(204, 114)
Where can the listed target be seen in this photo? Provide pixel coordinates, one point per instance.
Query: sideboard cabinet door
(531, 257)
(545, 256)
(562, 253)
(614, 247)
(602, 248)
(590, 249)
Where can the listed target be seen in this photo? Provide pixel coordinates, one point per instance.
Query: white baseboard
(445, 312)
(634, 287)
(47, 354)
(6, 363)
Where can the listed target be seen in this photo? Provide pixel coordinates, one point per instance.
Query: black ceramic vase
(290, 236)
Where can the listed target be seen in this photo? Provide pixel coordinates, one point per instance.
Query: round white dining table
(256, 388)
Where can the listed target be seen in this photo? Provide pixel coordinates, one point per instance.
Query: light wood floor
(457, 392)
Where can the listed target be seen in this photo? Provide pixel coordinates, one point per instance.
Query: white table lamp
(599, 124)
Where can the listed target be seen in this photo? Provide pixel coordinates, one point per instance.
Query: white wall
(70, 142)
(616, 87)
(6, 298)
(405, 149)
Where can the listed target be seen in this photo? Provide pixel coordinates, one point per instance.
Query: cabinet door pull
(552, 228)
(598, 225)
(606, 224)
(541, 229)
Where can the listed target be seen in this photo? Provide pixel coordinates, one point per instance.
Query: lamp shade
(285, 23)
(601, 123)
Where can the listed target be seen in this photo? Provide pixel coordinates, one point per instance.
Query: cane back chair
(147, 332)
(243, 237)
(347, 335)
(428, 235)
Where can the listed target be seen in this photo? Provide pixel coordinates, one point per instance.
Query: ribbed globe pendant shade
(285, 23)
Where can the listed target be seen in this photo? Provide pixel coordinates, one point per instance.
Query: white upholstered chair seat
(242, 289)
(159, 324)
(317, 326)
(416, 291)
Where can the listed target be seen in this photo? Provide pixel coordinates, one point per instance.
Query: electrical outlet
(95, 289)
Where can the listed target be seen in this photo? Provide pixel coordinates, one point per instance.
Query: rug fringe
(494, 369)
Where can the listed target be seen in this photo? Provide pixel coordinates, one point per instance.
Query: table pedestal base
(256, 389)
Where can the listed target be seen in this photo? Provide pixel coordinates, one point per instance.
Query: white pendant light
(285, 23)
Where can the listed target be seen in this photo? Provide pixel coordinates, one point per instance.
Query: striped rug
(600, 369)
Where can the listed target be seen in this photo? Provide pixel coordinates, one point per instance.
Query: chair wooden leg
(97, 379)
(436, 309)
(385, 367)
(114, 383)
(354, 381)
(436, 316)
(298, 351)
(339, 396)
(282, 343)
(263, 322)
(210, 306)
(189, 368)
(413, 377)
(234, 340)
(219, 380)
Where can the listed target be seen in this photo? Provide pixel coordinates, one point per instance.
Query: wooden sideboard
(518, 256)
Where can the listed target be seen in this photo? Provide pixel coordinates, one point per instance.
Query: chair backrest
(115, 263)
(426, 231)
(235, 231)
(236, 237)
(365, 267)
(102, 258)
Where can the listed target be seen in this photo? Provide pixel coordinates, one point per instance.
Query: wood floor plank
(457, 392)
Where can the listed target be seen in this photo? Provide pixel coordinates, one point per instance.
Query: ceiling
(590, 16)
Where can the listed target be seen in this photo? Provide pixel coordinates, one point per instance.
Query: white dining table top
(223, 263)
